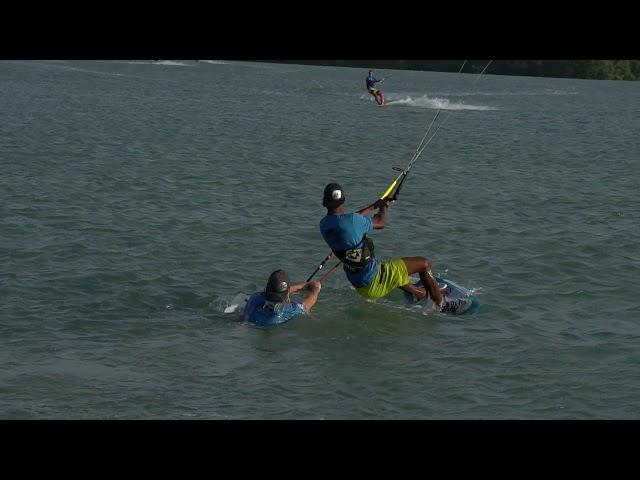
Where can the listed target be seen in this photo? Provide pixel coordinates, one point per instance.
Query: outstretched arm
(312, 298)
(367, 211)
(380, 218)
(297, 287)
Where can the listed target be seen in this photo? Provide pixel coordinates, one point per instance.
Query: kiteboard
(450, 290)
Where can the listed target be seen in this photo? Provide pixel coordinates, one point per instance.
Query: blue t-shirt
(342, 232)
(255, 313)
(371, 81)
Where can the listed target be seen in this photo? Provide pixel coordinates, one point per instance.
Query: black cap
(333, 196)
(277, 287)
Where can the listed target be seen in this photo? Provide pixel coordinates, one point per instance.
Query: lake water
(138, 198)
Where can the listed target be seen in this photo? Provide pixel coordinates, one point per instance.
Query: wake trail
(434, 103)
(160, 62)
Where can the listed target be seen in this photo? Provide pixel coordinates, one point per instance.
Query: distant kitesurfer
(274, 306)
(346, 235)
(377, 94)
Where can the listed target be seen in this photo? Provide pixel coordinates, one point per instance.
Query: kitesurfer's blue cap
(277, 287)
(333, 196)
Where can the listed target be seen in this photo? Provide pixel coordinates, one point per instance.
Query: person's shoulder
(326, 220)
(294, 309)
(252, 309)
(364, 221)
(256, 298)
(357, 216)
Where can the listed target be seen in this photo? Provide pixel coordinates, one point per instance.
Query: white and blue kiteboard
(451, 290)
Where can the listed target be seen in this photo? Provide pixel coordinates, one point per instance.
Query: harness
(355, 259)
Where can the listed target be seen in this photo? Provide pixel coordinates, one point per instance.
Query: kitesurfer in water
(346, 235)
(371, 87)
(274, 306)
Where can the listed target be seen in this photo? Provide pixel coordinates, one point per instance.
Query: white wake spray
(435, 103)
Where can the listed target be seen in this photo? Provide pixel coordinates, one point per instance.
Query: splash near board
(450, 291)
(237, 304)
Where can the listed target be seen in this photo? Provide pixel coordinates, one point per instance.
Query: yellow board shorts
(391, 275)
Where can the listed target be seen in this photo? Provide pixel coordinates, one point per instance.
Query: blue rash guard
(254, 312)
(342, 232)
(371, 81)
